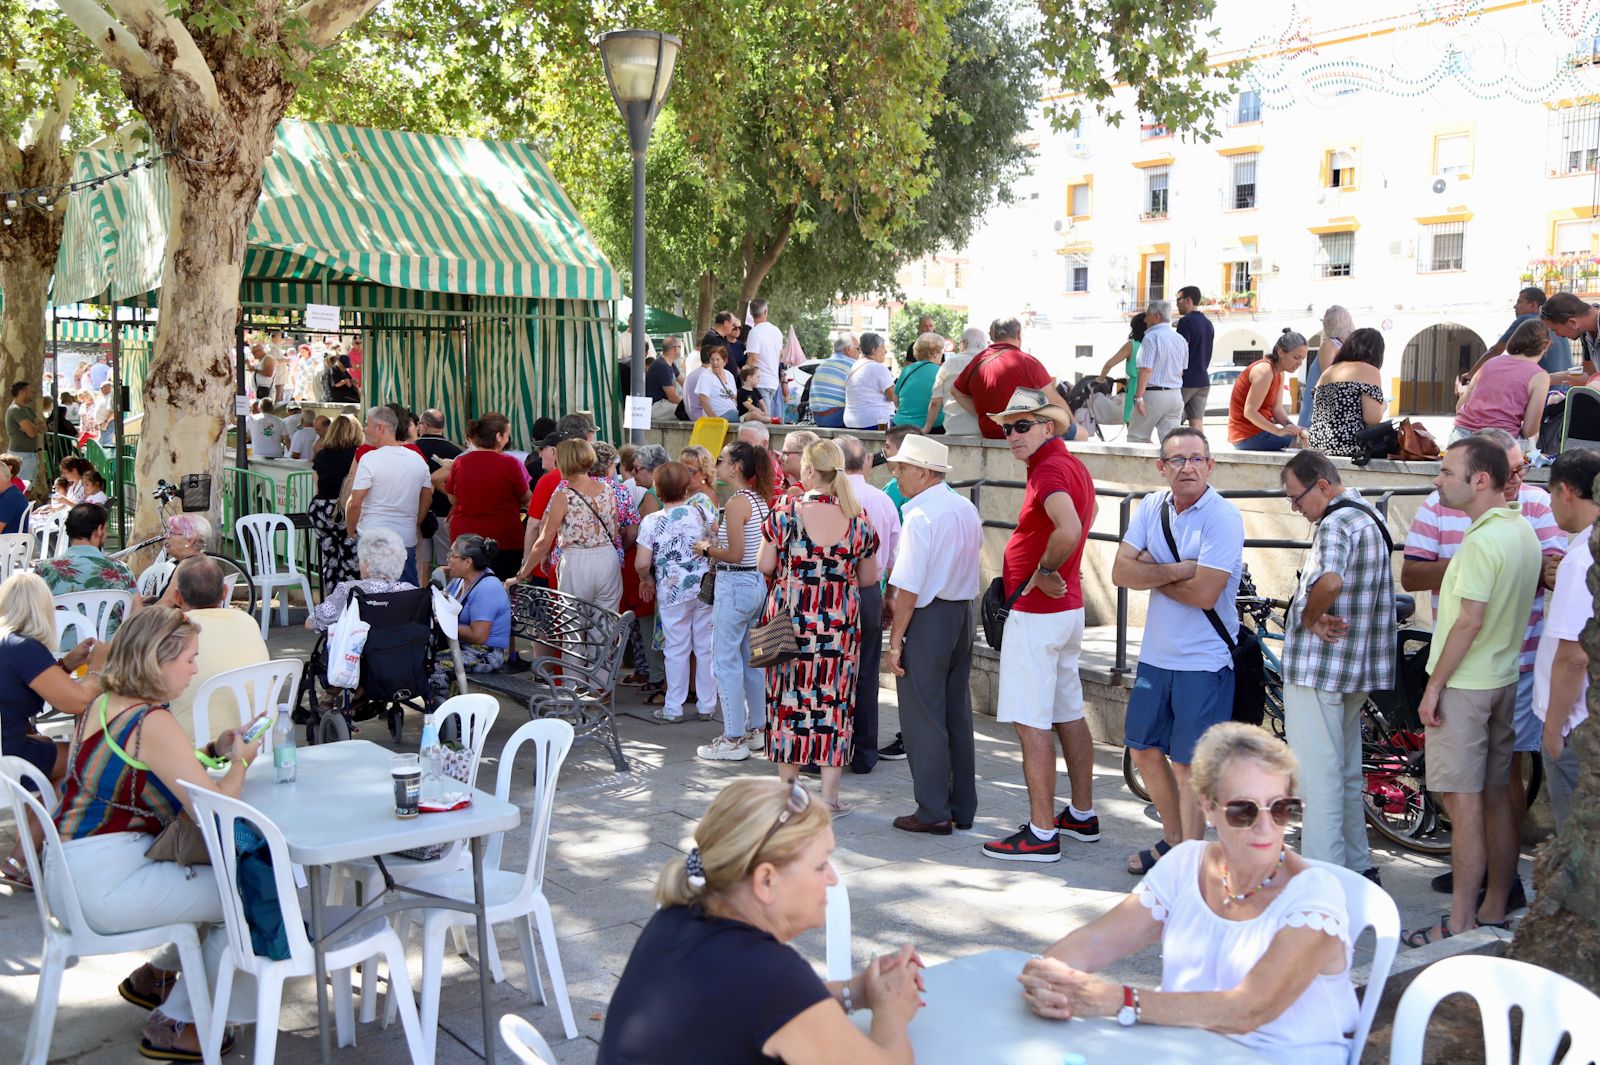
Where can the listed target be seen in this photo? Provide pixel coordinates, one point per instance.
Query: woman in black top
(339, 382)
(712, 979)
(332, 464)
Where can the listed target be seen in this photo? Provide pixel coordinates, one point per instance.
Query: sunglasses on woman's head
(1242, 813)
(799, 801)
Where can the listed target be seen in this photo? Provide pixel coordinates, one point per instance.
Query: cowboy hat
(1034, 401)
(925, 452)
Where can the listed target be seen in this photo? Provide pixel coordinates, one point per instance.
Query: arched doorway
(1432, 361)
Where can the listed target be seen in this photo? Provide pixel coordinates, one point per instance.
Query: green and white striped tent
(462, 264)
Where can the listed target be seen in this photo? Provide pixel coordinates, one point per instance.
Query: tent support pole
(119, 401)
(466, 361)
(241, 457)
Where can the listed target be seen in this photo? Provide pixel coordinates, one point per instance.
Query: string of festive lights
(46, 197)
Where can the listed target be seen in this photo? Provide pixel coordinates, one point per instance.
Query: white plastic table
(975, 1012)
(340, 808)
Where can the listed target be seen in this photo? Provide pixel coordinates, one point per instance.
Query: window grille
(1335, 254)
(1247, 108)
(1243, 181)
(1575, 140)
(1156, 184)
(1440, 247)
(1077, 273)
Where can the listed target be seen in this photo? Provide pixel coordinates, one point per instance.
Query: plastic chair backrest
(552, 739)
(69, 919)
(256, 690)
(1368, 906)
(16, 552)
(25, 522)
(524, 1041)
(51, 533)
(709, 433)
(258, 541)
(837, 961)
(94, 609)
(218, 816)
(1551, 1005)
(475, 715)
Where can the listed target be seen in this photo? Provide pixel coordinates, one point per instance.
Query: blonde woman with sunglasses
(1255, 941)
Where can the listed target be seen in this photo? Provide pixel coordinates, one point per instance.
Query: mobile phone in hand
(257, 729)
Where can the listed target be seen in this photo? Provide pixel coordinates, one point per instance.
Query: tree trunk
(1562, 929)
(25, 280)
(757, 265)
(189, 393)
(706, 307)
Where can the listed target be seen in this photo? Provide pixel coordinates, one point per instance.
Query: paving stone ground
(611, 832)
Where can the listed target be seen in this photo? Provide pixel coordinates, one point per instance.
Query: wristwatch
(1046, 570)
(1128, 1015)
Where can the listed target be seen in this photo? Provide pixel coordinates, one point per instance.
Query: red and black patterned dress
(809, 697)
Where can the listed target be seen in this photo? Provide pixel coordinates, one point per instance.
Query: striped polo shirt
(1437, 532)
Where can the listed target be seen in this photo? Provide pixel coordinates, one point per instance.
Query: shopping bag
(346, 640)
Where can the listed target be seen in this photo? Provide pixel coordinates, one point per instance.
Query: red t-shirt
(1052, 469)
(542, 492)
(488, 487)
(991, 378)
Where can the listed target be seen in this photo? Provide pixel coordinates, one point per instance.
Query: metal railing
(1381, 494)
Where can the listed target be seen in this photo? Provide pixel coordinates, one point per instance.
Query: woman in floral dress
(819, 550)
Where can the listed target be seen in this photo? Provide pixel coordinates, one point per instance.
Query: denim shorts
(1154, 718)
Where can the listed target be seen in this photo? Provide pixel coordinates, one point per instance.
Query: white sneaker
(722, 749)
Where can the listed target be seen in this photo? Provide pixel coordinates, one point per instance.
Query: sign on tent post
(637, 413)
(322, 316)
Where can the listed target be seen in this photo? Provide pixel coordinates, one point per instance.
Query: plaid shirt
(1347, 542)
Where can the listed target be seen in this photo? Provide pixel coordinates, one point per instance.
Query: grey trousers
(936, 711)
(865, 705)
(1562, 777)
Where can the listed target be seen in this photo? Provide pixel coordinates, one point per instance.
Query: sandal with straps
(14, 874)
(1148, 858)
(1421, 937)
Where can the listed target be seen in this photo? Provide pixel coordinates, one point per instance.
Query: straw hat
(924, 451)
(1034, 401)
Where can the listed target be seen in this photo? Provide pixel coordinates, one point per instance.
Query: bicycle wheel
(242, 593)
(1272, 705)
(1395, 799)
(1130, 773)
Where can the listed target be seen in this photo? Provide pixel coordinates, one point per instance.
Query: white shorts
(1039, 681)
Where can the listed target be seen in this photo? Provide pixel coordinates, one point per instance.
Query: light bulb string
(46, 197)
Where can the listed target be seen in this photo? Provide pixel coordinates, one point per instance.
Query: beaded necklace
(1229, 898)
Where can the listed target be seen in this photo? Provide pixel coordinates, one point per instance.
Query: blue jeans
(829, 419)
(741, 689)
(773, 398)
(409, 573)
(1265, 441)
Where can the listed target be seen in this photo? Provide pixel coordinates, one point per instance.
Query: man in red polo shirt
(990, 380)
(1040, 691)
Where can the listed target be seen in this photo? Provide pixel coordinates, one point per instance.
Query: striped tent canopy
(425, 242)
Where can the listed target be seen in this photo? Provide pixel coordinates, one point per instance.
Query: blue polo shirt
(487, 601)
(1211, 531)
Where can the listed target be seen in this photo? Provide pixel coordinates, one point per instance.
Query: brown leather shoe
(909, 823)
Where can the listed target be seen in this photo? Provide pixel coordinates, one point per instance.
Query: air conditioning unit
(1395, 247)
(1257, 265)
(1077, 149)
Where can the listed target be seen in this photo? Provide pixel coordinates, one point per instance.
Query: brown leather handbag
(1415, 443)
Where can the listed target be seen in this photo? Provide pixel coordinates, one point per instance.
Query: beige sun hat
(1034, 401)
(924, 451)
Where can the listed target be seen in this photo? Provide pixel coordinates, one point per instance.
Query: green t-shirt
(21, 441)
(1498, 565)
(913, 392)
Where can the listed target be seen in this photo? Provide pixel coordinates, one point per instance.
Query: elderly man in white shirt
(934, 582)
(885, 519)
(1158, 393)
(763, 347)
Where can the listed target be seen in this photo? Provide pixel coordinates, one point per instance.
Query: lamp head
(638, 65)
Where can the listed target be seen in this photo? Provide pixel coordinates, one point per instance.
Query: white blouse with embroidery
(1203, 951)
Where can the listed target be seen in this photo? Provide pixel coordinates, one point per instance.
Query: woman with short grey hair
(1337, 325)
(382, 558)
(958, 421)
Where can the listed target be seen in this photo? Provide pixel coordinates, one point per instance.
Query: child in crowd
(94, 487)
(751, 407)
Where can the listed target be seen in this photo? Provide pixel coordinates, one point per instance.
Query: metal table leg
(483, 948)
(319, 950)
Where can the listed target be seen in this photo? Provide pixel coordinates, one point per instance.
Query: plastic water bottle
(432, 761)
(283, 753)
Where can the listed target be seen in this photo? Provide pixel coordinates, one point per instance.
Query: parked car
(1222, 389)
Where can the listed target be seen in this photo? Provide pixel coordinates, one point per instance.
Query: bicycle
(241, 588)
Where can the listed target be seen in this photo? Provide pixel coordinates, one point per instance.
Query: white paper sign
(241, 406)
(322, 316)
(637, 413)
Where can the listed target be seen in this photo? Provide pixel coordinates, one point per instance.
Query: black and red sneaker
(1087, 829)
(1024, 846)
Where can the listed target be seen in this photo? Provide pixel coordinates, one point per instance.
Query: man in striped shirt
(1436, 535)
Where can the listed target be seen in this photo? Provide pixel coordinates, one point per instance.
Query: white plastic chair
(91, 613)
(509, 895)
(1368, 906)
(50, 532)
(258, 536)
(524, 1041)
(258, 689)
(67, 935)
(474, 717)
(25, 522)
(838, 963)
(217, 814)
(16, 553)
(1551, 1005)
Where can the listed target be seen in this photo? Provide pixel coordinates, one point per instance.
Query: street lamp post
(638, 66)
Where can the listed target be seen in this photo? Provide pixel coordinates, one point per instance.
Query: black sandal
(1148, 858)
(658, 697)
(133, 996)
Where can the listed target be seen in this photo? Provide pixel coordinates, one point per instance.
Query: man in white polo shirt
(1184, 683)
(391, 490)
(934, 581)
(1561, 667)
(763, 347)
(1158, 392)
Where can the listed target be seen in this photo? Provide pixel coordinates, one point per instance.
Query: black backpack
(1249, 673)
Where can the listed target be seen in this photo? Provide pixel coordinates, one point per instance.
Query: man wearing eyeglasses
(1040, 690)
(1437, 533)
(1186, 548)
(1338, 645)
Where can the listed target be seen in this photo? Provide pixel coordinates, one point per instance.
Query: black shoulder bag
(1249, 692)
(995, 607)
